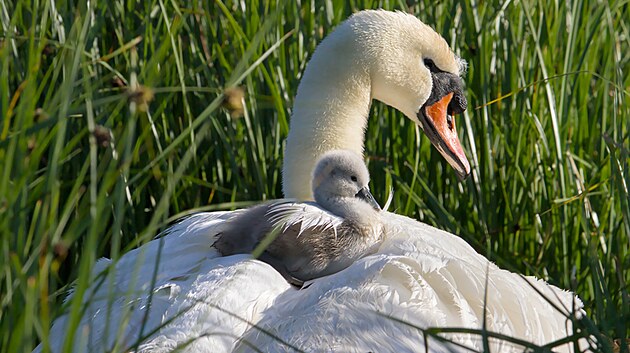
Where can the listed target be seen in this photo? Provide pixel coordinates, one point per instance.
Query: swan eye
(353, 178)
(430, 65)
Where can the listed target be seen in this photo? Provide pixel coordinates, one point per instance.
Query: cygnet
(307, 240)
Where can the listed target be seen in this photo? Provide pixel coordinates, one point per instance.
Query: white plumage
(304, 215)
(420, 276)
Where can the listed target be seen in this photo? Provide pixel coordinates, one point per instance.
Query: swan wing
(420, 278)
(175, 291)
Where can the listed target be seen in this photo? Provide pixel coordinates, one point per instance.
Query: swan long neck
(330, 112)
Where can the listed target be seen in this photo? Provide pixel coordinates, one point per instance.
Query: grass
(114, 122)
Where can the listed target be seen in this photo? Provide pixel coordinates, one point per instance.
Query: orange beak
(439, 126)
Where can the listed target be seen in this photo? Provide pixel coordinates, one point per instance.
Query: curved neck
(330, 112)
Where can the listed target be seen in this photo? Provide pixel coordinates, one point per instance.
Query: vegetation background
(117, 118)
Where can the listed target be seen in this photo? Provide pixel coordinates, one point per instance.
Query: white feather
(306, 215)
(390, 198)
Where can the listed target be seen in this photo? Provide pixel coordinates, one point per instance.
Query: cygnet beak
(439, 126)
(366, 195)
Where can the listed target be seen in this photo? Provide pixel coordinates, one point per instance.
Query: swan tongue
(440, 128)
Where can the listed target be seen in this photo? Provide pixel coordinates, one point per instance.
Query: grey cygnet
(313, 239)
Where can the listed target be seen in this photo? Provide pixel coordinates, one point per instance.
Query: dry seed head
(233, 101)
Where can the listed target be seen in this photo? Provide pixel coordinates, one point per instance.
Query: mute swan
(313, 239)
(420, 276)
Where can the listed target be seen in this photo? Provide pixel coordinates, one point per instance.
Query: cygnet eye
(353, 178)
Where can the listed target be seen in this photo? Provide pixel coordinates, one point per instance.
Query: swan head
(413, 70)
(341, 178)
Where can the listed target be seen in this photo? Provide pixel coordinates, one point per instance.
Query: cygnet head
(341, 179)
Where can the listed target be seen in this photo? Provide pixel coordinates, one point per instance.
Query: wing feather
(305, 215)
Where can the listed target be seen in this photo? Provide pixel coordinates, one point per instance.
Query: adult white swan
(176, 292)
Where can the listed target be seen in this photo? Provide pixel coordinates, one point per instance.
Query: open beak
(440, 128)
(366, 196)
